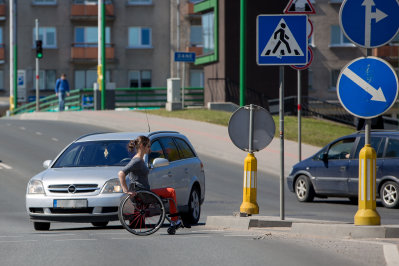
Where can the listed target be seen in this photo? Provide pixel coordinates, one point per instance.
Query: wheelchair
(144, 213)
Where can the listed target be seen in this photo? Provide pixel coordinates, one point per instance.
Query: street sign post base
(249, 208)
(367, 217)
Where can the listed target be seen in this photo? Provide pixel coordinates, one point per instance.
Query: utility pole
(13, 55)
(101, 52)
(37, 66)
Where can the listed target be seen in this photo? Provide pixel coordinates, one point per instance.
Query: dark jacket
(61, 85)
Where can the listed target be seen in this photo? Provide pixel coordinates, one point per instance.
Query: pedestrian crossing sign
(282, 40)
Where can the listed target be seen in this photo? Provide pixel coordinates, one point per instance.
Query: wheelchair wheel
(142, 214)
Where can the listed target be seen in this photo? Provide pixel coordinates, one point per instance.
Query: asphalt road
(24, 145)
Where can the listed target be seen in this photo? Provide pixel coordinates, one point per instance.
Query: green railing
(131, 98)
(154, 97)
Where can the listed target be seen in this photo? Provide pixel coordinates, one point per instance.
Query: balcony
(387, 52)
(2, 11)
(2, 53)
(196, 49)
(89, 52)
(90, 12)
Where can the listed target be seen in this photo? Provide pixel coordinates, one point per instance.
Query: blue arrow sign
(184, 57)
(281, 40)
(367, 87)
(369, 23)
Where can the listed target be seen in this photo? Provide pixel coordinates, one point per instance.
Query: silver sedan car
(81, 184)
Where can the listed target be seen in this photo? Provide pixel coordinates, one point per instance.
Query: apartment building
(138, 43)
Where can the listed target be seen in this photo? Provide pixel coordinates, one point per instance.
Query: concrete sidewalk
(212, 140)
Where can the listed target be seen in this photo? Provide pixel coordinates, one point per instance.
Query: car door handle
(343, 168)
(186, 170)
(170, 174)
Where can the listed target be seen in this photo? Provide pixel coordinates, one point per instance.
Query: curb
(305, 227)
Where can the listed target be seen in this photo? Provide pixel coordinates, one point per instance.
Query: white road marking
(17, 241)
(6, 166)
(8, 124)
(22, 128)
(54, 139)
(391, 254)
(59, 240)
(11, 236)
(39, 133)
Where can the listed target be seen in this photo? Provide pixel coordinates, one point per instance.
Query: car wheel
(39, 226)
(100, 224)
(194, 208)
(303, 189)
(389, 194)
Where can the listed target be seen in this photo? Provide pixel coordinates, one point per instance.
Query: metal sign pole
(282, 142)
(184, 80)
(299, 117)
(37, 67)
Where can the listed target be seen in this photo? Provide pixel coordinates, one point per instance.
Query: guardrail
(124, 98)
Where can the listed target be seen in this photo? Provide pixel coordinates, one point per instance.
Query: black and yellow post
(249, 205)
(367, 214)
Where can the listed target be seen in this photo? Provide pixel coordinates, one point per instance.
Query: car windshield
(95, 153)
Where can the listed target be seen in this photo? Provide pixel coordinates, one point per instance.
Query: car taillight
(202, 167)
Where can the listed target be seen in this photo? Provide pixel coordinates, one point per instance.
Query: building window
(2, 80)
(208, 20)
(395, 41)
(338, 39)
(48, 35)
(45, 2)
(311, 41)
(90, 2)
(1, 37)
(139, 78)
(139, 37)
(196, 35)
(208, 9)
(85, 79)
(47, 79)
(310, 79)
(139, 2)
(334, 79)
(88, 36)
(196, 78)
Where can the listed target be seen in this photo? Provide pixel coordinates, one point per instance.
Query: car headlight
(112, 186)
(35, 187)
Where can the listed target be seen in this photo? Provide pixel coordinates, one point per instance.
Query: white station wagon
(81, 184)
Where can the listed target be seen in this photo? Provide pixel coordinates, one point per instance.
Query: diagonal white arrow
(378, 95)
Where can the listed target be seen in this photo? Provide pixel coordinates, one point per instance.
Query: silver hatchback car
(81, 184)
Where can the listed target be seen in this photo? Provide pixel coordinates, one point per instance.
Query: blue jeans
(61, 101)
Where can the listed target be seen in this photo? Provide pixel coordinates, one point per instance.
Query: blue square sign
(282, 40)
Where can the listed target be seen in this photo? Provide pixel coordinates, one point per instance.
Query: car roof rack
(90, 134)
(160, 132)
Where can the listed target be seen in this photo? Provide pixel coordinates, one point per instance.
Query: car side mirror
(324, 157)
(159, 162)
(47, 163)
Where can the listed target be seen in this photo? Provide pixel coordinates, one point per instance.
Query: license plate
(78, 203)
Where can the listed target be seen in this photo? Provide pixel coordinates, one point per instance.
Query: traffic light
(39, 49)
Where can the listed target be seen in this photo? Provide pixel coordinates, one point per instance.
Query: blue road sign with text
(369, 23)
(282, 40)
(184, 57)
(367, 87)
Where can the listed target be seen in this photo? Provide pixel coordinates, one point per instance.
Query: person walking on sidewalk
(62, 89)
(138, 171)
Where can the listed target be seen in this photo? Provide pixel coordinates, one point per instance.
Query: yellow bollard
(367, 214)
(12, 107)
(249, 204)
